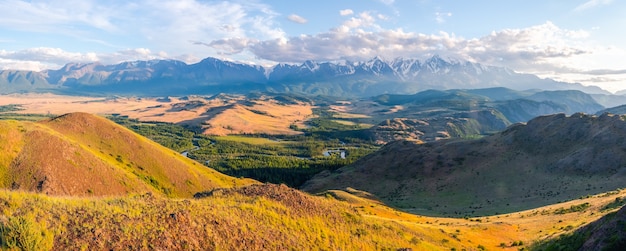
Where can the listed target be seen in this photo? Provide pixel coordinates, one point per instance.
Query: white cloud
(592, 3)
(297, 19)
(47, 56)
(363, 20)
(544, 49)
(37, 59)
(440, 17)
(346, 12)
(165, 25)
(9, 64)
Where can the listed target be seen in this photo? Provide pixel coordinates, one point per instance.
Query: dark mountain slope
(550, 159)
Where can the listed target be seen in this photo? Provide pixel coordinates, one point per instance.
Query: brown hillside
(258, 116)
(83, 154)
(550, 159)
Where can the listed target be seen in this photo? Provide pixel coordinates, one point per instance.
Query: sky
(578, 41)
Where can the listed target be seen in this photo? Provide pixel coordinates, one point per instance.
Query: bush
(23, 233)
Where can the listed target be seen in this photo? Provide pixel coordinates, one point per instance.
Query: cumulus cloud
(297, 19)
(363, 20)
(346, 12)
(524, 48)
(48, 55)
(546, 50)
(515, 47)
(25, 65)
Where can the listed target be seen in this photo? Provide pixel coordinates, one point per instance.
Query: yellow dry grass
(263, 117)
(492, 231)
(350, 123)
(218, 116)
(58, 104)
(85, 155)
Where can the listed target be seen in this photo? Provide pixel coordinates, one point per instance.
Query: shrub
(23, 233)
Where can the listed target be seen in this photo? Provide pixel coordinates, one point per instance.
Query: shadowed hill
(550, 159)
(83, 154)
(608, 233)
(464, 124)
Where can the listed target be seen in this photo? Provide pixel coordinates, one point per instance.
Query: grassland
(218, 115)
(273, 217)
(152, 206)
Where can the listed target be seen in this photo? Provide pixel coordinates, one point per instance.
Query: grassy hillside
(268, 217)
(551, 159)
(82, 154)
(272, 217)
(607, 233)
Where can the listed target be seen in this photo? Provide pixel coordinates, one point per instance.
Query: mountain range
(350, 79)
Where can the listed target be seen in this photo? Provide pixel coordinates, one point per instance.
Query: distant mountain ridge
(352, 79)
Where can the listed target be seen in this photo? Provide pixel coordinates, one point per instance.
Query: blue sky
(570, 40)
